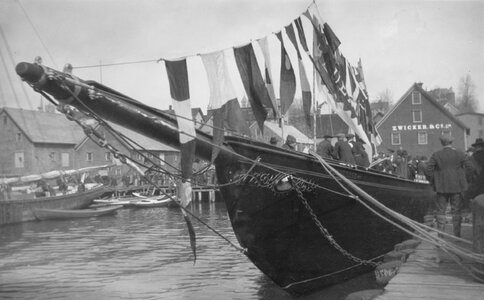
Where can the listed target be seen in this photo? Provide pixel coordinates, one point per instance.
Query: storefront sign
(421, 127)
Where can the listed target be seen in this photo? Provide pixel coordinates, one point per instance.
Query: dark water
(135, 254)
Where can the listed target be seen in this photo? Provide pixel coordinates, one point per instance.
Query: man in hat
(445, 170)
(325, 149)
(273, 141)
(359, 153)
(476, 187)
(290, 143)
(342, 150)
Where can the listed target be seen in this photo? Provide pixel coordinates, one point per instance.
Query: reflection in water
(135, 254)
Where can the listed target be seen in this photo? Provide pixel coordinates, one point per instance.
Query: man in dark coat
(325, 149)
(342, 150)
(290, 143)
(446, 172)
(359, 153)
(476, 187)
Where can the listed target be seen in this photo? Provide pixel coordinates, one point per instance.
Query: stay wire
(211, 143)
(242, 250)
(36, 32)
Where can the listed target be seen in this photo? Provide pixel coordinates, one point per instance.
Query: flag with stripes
(227, 113)
(180, 94)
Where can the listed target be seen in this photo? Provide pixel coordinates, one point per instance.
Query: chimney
(169, 107)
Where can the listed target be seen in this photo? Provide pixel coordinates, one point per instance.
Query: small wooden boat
(50, 214)
(116, 201)
(152, 202)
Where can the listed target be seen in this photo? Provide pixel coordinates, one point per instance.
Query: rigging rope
(453, 250)
(413, 224)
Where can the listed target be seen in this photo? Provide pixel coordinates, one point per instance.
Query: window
(52, 156)
(481, 133)
(422, 138)
(447, 133)
(416, 97)
(89, 156)
(19, 159)
(19, 137)
(396, 140)
(479, 120)
(107, 156)
(162, 158)
(65, 159)
(417, 116)
(4, 120)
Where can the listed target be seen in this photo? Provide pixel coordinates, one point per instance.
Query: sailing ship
(305, 222)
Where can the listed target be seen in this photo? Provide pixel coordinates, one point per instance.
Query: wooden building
(143, 150)
(33, 142)
(36, 141)
(416, 122)
(475, 122)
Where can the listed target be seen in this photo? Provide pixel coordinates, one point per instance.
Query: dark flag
(254, 84)
(305, 87)
(287, 87)
(264, 45)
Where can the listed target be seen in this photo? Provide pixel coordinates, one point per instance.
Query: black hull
(279, 234)
(268, 218)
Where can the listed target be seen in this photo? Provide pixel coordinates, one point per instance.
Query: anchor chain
(329, 237)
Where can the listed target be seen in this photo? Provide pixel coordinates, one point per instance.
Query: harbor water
(136, 254)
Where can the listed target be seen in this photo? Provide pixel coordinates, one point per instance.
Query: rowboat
(127, 201)
(20, 210)
(55, 214)
(152, 202)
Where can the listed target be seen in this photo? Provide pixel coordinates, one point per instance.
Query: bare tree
(466, 99)
(382, 102)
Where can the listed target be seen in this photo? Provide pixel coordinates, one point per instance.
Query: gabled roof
(430, 98)
(288, 129)
(45, 127)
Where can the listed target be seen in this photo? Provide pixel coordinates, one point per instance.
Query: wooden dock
(430, 273)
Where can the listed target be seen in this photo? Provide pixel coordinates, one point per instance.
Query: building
(475, 122)
(416, 122)
(33, 142)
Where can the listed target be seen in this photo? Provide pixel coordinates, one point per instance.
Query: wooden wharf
(198, 192)
(430, 273)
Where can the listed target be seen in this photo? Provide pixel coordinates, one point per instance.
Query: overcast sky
(399, 42)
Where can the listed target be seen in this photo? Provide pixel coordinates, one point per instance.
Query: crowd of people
(455, 176)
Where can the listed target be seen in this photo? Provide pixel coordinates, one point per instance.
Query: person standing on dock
(446, 172)
(476, 187)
